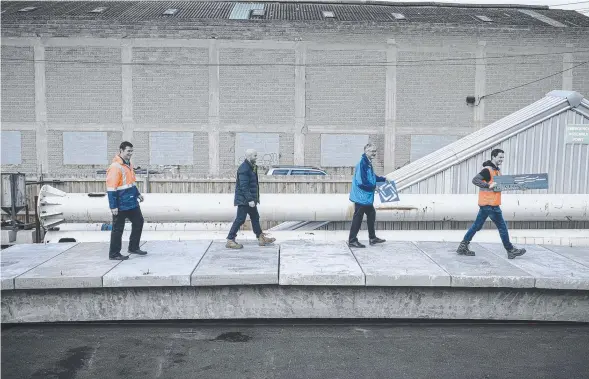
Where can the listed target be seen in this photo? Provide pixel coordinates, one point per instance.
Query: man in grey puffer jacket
(247, 197)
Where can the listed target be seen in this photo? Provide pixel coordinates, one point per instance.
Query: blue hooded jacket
(364, 182)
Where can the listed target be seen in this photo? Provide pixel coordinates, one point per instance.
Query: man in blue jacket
(247, 196)
(362, 195)
(123, 199)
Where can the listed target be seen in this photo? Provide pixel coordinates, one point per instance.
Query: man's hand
(252, 204)
(140, 197)
(492, 185)
(115, 211)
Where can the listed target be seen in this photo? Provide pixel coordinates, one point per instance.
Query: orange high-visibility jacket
(486, 195)
(120, 185)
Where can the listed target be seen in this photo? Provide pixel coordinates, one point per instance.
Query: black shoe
(138, 252)
(118, 257)
(464, 250)
(356, 244)
(513, 252)
(375, 240)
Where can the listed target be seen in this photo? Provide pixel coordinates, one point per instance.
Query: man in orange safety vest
(489, 207)
(123, 199)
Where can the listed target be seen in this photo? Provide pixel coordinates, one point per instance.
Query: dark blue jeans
(495, 214)
(118, 227)
(242, 212)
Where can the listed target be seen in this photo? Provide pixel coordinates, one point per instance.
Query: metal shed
(533, 139)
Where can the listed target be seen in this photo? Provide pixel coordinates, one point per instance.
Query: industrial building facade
(193, 84)
(549, 136)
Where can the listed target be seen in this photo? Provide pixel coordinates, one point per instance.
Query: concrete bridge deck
(293, 279)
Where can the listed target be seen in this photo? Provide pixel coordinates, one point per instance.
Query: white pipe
(200, 226)
(568, 237)
(56, 207)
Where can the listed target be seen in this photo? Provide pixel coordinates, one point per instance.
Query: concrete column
(567, 63)
(390, 128)
(214, 158)
(300, 103)
(40, 108)
(480, 85)
(127, 90)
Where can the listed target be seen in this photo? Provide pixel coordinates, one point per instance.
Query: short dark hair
(496, 152)
(125, 144)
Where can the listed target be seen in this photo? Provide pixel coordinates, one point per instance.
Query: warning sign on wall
(577, 134)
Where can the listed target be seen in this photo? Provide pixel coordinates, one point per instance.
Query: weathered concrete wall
(243, 302)
(301, 80)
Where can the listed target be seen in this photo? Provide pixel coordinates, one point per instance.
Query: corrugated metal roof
(584, 110)
(543, 18)
(574, 19)
(142, 11)
(112, 9)
(241, 11)
(533, 140)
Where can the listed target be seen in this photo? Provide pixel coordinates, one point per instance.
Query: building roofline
(342, 2)
(554, 103)
(574, 98)
(397, 4)
(375, 12)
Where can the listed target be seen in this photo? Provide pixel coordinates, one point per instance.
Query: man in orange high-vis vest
(489, 206)
(123, 199)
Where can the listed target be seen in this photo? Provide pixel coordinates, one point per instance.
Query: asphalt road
(347, 350)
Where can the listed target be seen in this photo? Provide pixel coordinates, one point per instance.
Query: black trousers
(359, 211)
(118, 226)
(242, 212)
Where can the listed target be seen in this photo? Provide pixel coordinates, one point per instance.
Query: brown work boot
(231, 244)
(263, 240)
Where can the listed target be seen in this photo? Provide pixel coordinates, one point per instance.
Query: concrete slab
(167, 263)
(7, 236)
(550, 269)
(251, 265)
(577, 254)
(308, 263)
(25, 237)
(290, 302)
(483, 270)
(82, 266)
(18, 259)
(400, 264)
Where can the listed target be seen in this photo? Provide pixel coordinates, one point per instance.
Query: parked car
(295, 170)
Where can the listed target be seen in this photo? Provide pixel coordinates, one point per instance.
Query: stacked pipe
(57, 207)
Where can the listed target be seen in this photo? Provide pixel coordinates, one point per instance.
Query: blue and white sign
(521, 182)
(388, 192)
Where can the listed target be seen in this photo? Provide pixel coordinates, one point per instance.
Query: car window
(306, 172)
(280, 172)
